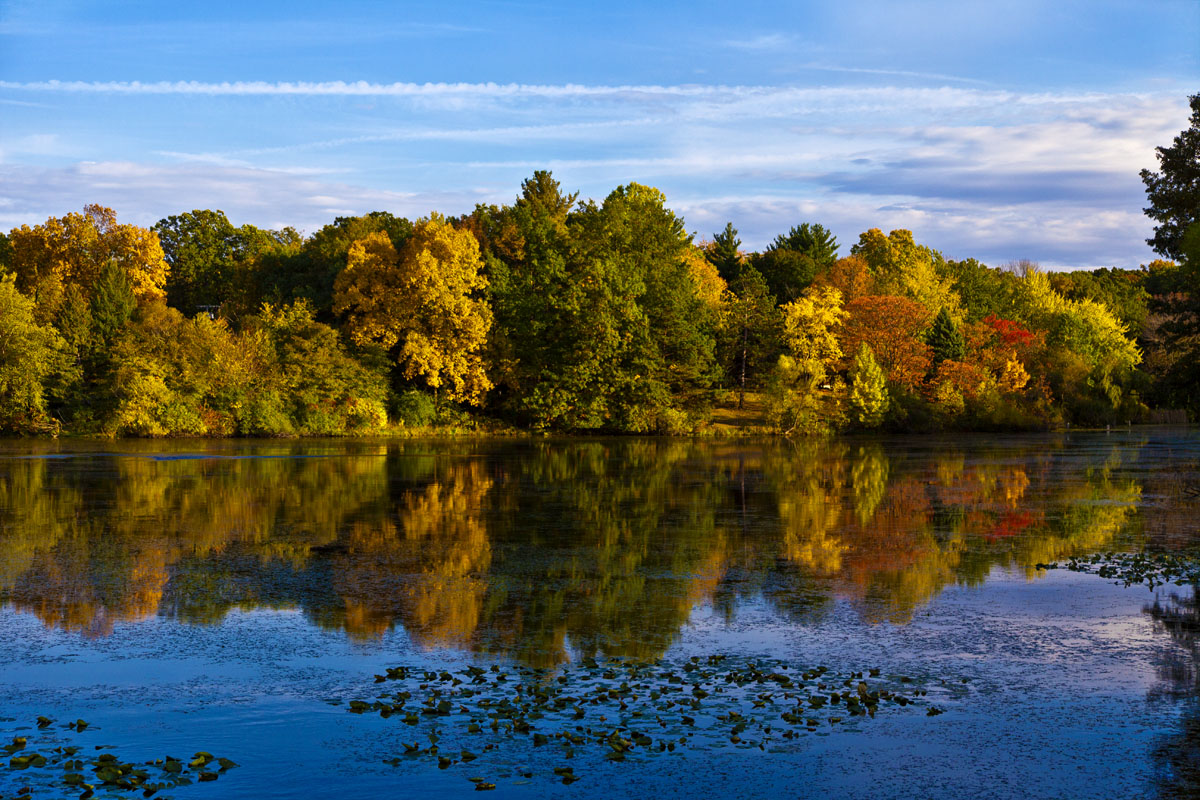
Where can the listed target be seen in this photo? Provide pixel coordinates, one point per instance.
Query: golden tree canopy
(420, 303)
(809, 328)
(72, 251)
(903, 267)
(710, 286)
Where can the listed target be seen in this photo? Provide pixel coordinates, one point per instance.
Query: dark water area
(236, 596)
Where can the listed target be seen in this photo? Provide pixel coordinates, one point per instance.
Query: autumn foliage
(893, 328)
(555, 314)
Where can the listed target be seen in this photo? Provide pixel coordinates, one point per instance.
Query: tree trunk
(742, 392)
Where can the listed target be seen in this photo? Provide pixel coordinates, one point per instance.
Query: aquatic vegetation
(1152, 569)
(46, 765)
(625, 710)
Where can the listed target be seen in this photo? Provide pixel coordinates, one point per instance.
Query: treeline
(557, 314)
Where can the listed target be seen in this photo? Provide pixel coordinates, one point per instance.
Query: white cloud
(144, 193)
(897, 73)
(33, 144)
(792, 98)
(976, 172)
(764, 42)
(1047, 233)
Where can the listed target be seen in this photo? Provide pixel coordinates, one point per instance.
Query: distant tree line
(554, 313)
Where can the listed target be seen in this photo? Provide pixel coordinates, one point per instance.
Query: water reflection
(1177, 755)
(529, 549)
(1176, 616)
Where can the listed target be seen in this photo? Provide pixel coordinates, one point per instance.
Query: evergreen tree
(751, 336)
(543, 193)
(1174, 193)
(1178, 356)
(536, 296)
(724, 254)
(813, 240)
(113, 302)
(787, 272)
(868, 389)
(945, 340)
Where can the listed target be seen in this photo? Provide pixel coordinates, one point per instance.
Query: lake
(854, 618)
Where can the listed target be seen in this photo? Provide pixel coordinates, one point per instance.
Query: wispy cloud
(361, 88)
(895, 73)
(975, 171)
(925, 97)
(144, 193)
(504, 133)
(23, 103)
(765, 42)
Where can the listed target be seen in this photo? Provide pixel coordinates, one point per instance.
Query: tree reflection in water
(1177, 756)
(535, 549)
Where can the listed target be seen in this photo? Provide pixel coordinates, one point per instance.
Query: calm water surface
(234, 597)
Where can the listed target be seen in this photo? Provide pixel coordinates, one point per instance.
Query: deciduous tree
(894, 328)
(902, 267)
(29, 355)
(670, 360)
(72, 251)
(851, 276)
(211, 259)
(802, 397)
(294, 270)
(422, 304)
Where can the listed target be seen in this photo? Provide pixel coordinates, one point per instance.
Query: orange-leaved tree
(893, 327)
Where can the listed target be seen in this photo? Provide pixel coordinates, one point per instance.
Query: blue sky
(998, 130)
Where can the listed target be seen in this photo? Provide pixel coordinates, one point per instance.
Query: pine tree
(724, 253)
(812, 239)
(751, 334)
(1174, 193)
(945, 339)
(868, 390)
(113, 302)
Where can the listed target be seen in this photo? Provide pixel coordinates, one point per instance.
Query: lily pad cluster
(1152, 569)
(620, 710)
(45, 765)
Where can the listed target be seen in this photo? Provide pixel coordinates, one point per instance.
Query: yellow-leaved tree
(803, 396)
(710, 286)
(420, 303)
(72, 251)
(902, 267)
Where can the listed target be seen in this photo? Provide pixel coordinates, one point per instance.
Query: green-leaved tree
(945, 340)
(1174, 191)
(29, 355)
